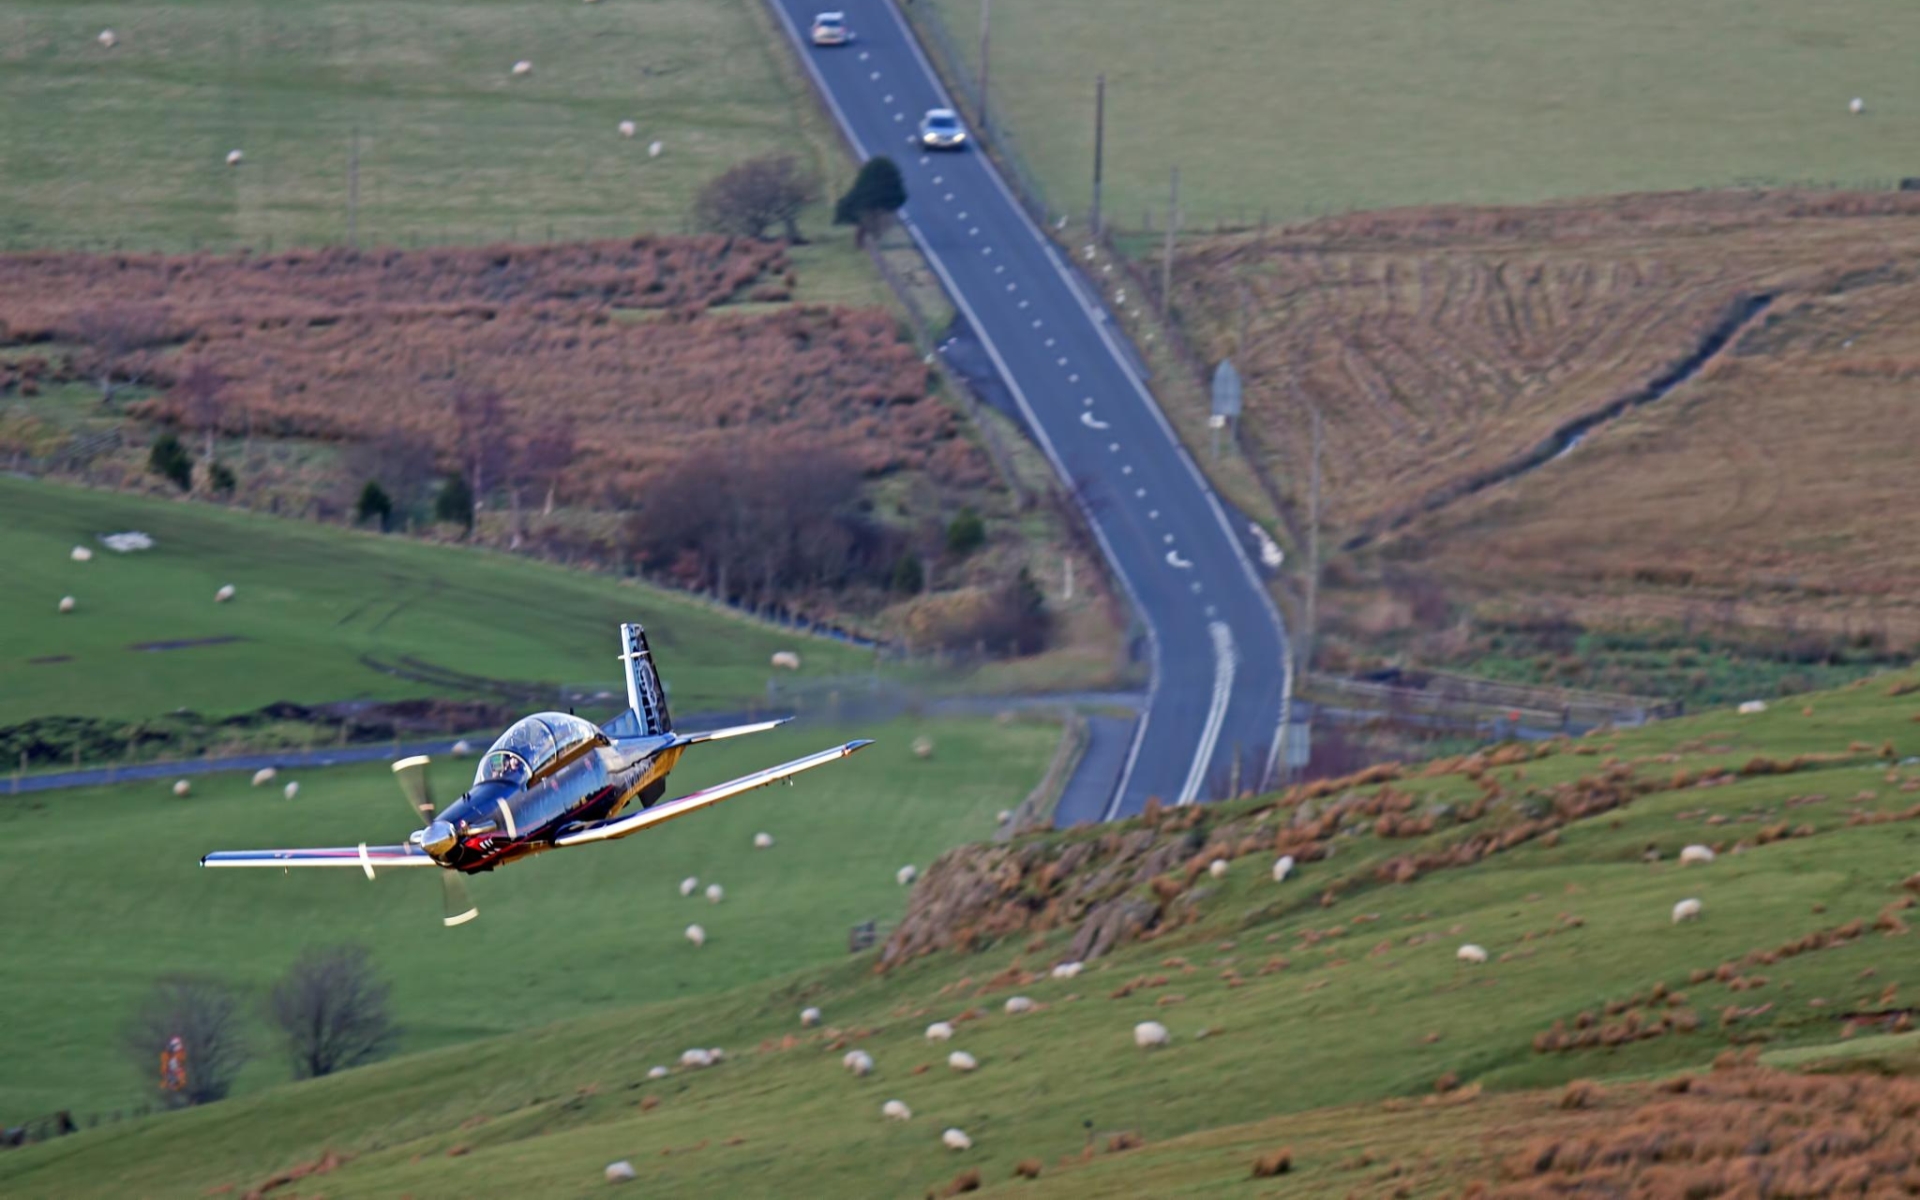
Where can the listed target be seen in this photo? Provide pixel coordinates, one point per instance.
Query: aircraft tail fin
(645, 696)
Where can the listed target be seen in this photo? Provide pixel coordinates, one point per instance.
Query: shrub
(454, 502)
(908, 575)
(205, 1016)
(877, 193)
(965, 533)
(373, 502)
(169, 460)
(331, 1008)
(748, 197)
(220, 479)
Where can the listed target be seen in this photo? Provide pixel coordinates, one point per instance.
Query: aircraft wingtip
(859, 744)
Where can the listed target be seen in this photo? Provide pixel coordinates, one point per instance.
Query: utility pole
(353, 189)
(1166, 256)
(986, 26)
(1068, 591)
(1099, 145)
(1313, 542)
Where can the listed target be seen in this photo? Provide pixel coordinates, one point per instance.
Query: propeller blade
(412, 774)
(460, 907)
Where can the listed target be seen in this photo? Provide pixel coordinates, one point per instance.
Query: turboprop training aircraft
(551, 781)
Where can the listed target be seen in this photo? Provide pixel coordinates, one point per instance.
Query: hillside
(1316, 1014)
(1447, 349)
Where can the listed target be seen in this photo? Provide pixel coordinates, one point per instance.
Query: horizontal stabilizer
(732, 731)
(694, 801)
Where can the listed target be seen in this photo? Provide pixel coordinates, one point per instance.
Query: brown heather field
(626, 342)
(1443, 345)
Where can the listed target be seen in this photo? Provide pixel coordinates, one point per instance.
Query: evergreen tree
(374, 502)
(966, 533)
(908, 575)
(220, 479)
(454, 504)
(170, 460)
(877, 193)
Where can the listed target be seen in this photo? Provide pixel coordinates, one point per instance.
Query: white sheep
(1148, 1034)
(1471, 953)
(108, 40)
(523, 67)
(621, 1172)
(894, 1110)
(953, 1139)
(763, 841)
(1217, 868)
(1018, 1004)
(786, 660)
(906, 875)
(654, 149)
(689, 885)
(923, 747)
(715, 893)
(1066, 970)
(1696, 854)
(960, 1060)
(1686, 910)
(181, 787)
(1750, 708)
(462, 748)
(628, 129)
(81, 554)
(1003, 816)
(224, 594)
(939, 1031)
(66, 604)
(857, 1062)
(235, 158)
(696, 1058)
(292, 789)
(1282, 867)
(697, 936)
(264, 776)
(718, 1055)
(1856, 106)
(658, 1072)
(809, 1017)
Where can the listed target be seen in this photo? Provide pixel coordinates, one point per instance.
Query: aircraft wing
(694, 801)
(362, 856)
(732, 731)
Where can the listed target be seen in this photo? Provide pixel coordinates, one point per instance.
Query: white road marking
(1196, 587)
(1225, 659)
(963, 215)
(1139, 493)
(1087, 400)
(1073, 379)
(925, 159)
(1114, 446)
(1153, 514)
(1092, 422)
(1271, 556)
(1209, 610)
(1168, 538)
(1061, 363)
(1049, 343)
(975, 231)
(949, 196)
(887, 99)
(938, 178)
(899, 116)
(1037, 322)
(1023, 304)
(863, 56)
(999, 269)
(1127, 470)
(875, 75)
(989, 250)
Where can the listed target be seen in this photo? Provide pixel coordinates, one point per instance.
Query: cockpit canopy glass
(531, 744)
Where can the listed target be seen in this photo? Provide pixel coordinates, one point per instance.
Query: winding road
(1216, 641)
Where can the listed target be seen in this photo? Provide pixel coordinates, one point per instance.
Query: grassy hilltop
(1313, 1013)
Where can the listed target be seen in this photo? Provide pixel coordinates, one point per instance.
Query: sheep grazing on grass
(961, 1061)
(654, 149)
(1148, 1034)
(1856, 106)
(462, 748)
(696, 1058)
(628, 129)
(715, 893)
(181, 787)
(523, 67)
(954, 1139)
(809, 1017)
(1471, 953)
(1066, 970)
(689, 885)
(1282, 867)
(66, 604)
(1217, 868)
(906, 875)
(1003, 816)
(292, 789)
(1696, 854)
(1749, 708)
(658, 1072)
(857, 1062)
(763, 841)
(108, 40)
(894, 1110)
(81, 554)
(696, 935)
(939, 1031)
(1686, 910)
(717, 1054)
(923, 747)
(235, 158)
(1018, 1004)
(786, 660)
(264, 776)
(226, 591)
(621, 1172)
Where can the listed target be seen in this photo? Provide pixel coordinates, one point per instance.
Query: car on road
(940, 129)
(830, 29)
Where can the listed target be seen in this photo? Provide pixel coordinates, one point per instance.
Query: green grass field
(103, 895)
(1379, 1009)
(1302, 107)
(311, 600)
(127, 147)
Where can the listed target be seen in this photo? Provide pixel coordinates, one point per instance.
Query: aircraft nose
(437, 839)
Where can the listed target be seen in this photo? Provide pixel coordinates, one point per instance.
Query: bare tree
(202, 394)
(541, 456)
(748, 197)
(112, 333)
(204, 1015)
(331, 1008)
(403, 462)
(483, 436)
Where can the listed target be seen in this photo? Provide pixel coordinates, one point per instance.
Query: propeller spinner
(437, 838)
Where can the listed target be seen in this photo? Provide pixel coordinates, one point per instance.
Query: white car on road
(830, 29)
(940, 129)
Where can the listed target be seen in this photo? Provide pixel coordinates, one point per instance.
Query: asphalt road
(1217, 643)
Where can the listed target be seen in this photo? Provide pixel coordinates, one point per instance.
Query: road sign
(1226, 390)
